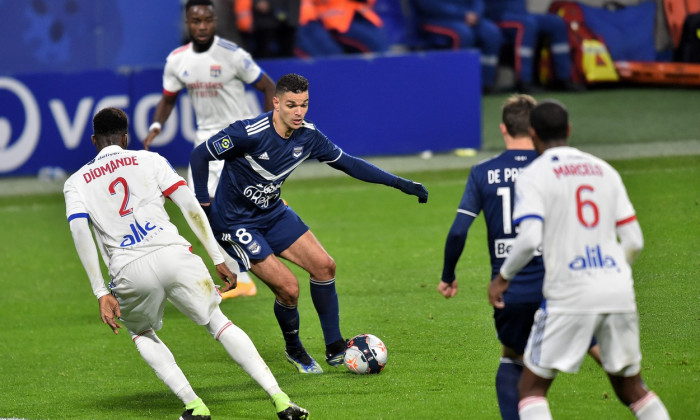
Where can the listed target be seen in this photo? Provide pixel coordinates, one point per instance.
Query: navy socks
(507, 378)
(326, 303)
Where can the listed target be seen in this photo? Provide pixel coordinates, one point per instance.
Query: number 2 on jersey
(123, 211)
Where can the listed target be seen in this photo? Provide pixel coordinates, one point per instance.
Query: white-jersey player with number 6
(576, 206)
(121, 193)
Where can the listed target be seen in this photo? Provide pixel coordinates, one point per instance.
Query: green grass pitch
(57, 361)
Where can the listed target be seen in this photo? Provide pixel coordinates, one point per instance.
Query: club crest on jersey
(223, 144)
(297, 152)
(215, 70)
(254, 247)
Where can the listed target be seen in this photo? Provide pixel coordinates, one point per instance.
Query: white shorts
(173, 273)
(215, 166)
(560, 341)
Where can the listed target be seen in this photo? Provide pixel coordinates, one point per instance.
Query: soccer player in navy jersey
(490, 189)
(255, 227)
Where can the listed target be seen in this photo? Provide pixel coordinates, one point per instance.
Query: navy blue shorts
(255, 240)
(513, 324)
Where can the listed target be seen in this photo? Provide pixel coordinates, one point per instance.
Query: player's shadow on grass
(141, 405)
(163, 404)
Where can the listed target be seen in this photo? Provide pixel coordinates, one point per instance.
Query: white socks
(242, 351)
(235, 341)
(649, 407)
(534, 408)
(159, 357)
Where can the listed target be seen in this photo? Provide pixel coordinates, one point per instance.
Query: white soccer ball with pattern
(365, 353)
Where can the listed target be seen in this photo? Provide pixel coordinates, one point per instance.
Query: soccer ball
(365, 353)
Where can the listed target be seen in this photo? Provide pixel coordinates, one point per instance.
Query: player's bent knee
(325, 271)
(288, 293)
(628, 389)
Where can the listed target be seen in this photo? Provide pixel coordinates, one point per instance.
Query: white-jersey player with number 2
(577, 207)
(121, 193)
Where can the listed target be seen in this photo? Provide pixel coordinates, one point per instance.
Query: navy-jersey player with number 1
(255, 227)
(490, 189)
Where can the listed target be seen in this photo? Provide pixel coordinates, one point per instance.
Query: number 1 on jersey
(504, 192)
(123, 211)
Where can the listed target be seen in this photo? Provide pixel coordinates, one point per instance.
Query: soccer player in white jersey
(121, 193)
(214, 71)
(576, 206)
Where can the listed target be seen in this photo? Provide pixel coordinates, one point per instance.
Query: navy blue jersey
(490, 188)
(257, 162)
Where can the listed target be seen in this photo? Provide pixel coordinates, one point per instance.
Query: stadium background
(70, 58)
(58, 361)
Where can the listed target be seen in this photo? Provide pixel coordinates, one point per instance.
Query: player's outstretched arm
(412, 188)
(160, 116)
(365, 171)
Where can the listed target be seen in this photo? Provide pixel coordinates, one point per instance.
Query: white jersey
(215, 80)
(122, 193)
(580, 199)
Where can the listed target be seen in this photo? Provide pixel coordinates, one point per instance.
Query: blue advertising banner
(367, 105)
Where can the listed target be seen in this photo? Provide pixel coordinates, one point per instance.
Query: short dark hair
(291, 82)
(192, 3)
(516, 114)
(550, 120)
(110, 121)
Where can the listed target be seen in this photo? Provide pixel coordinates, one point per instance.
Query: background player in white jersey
(253, 224)
(490, 189)
(215, 72)
(576, 206)
(122, 193)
